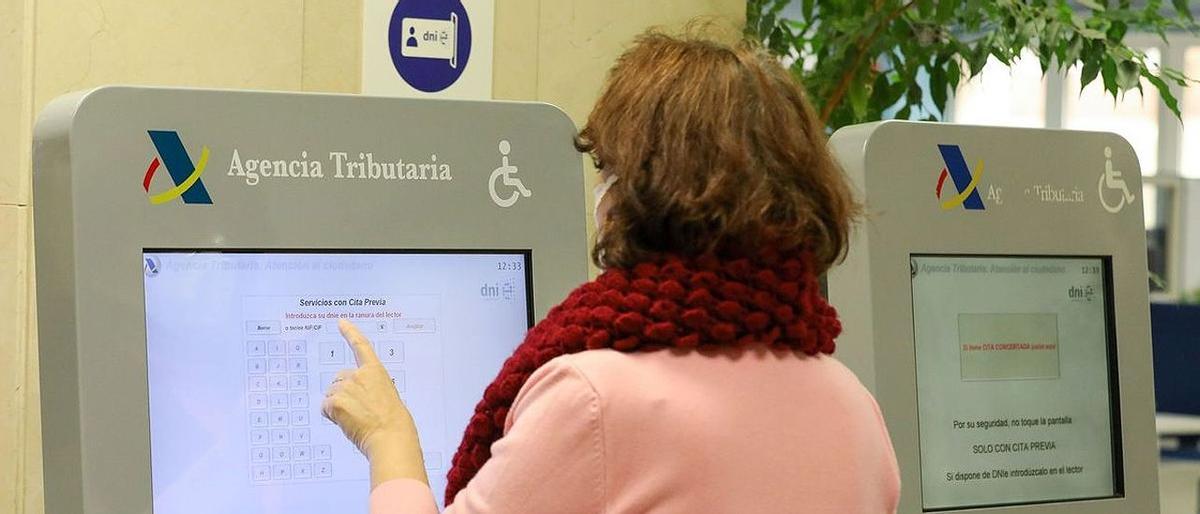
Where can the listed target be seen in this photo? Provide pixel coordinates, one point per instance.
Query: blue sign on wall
(430, 42)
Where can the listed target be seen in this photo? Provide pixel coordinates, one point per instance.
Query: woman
(693, 375)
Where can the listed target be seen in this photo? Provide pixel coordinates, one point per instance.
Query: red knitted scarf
(673, 302)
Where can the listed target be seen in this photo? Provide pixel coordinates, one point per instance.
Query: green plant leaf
(895, 92)
(1073, 50)
(939, 87)
(840, 118)
(1088, 74)
(881, 91)
(780, 40)
(1044, 54)
(977, 59)
(945, 10)
(1121, 53)
(915, 94)
(858, 96)
(1175, 74)
(955, 38)
(1117, 31)
(1076, 19)
(924, 7)
(1182, 7)
(1108, 74)
(1127, 74)
(1164, 92)
(753, 13)
(1090, 33)
(766, 24)
(954, 73)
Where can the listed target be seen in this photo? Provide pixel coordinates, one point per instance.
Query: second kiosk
(995, 302)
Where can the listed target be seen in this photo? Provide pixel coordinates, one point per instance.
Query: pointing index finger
(364, 353)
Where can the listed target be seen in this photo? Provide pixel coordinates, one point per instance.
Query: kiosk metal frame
(394, 173)
(1043, 194)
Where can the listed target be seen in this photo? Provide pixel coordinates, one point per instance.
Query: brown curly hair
(718, 151)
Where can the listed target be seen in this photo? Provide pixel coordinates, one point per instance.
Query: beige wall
(550, 50)
(15, 259)
(580, 39)
(50, 47)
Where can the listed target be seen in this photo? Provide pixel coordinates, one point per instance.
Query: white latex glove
(365, 404)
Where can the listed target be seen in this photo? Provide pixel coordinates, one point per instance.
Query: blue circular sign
(430, 42)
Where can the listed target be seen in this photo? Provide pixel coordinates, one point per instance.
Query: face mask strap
(601, 189)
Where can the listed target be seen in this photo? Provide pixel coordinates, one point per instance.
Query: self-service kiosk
(195, 250)
(995, 302)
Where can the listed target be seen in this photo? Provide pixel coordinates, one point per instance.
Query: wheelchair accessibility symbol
(1112, 180)
(506, 174)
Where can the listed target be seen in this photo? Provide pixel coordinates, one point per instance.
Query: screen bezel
(1114, 383)
(526, 254)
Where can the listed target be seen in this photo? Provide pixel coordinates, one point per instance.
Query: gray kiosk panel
(996, 303)
(194, 248)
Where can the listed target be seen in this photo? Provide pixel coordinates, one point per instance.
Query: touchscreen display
(1015, 380)
(241, 346)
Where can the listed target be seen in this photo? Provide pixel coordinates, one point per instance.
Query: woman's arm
(398, 458)
(365, 404)
(550, 460)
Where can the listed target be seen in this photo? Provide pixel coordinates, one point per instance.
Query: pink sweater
(674, 431)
